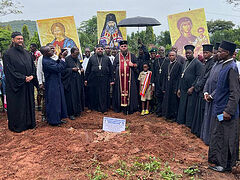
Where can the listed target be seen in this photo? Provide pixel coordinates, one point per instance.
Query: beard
(18, 47)
(111, 29)
(99, 54)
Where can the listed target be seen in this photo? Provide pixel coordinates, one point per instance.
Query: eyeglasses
(123, 46)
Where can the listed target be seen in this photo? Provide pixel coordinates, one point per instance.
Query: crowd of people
(201, 93)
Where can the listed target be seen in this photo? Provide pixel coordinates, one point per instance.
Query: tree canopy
(9, 7)
(219, 25)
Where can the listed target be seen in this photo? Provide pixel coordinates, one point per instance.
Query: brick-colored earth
(73, 150)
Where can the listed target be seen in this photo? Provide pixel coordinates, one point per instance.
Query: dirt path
(74, 150)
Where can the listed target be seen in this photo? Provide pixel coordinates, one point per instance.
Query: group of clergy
(202, 95)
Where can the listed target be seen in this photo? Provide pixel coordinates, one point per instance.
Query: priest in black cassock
(200, 103)
(170, 87)
(73, 83)
(224, 142)
(98, 78)
(160, 67)
(21, 78)
(192, 70)
(125, 94)
(209, 92)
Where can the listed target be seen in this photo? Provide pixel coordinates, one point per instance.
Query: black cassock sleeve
(88, 70)
(234, 89)
(34, 74)
(14, 79)
(111, 73)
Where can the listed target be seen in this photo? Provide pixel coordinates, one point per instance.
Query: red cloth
(124, 73)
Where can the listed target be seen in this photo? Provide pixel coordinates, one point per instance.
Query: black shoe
(220, 169)
(43, 118)
(72, 117)
(159, 115)
(63, 122)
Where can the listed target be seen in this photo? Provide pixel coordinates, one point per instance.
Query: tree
(232, 35)
(234, 2)
(150, 36)
(9, 7)
(133, 41)
(164, 38)
(219, 25)
(35, 40)
(88, 33)
(25, 33)
(5, 39)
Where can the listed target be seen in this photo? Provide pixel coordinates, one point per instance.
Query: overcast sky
(84, 9)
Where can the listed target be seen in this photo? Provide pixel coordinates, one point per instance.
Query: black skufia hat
(153, 50)
(217, 46)
(123, 42)
(99, 45)
(189, 47)
(229, 46)
(14, 34)
(111, 17)
(207, 47)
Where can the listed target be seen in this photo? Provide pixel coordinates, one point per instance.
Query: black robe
(73, 87)
(170, 87)
(187, 102)
(200, 104)
(157, 79)
(224, 140)
(133, 104)
(98, 82)
(20, 94)
(210, 88)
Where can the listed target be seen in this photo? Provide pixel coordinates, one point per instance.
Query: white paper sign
(114, 124)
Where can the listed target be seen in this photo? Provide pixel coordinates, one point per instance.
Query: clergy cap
(111, 17)
(14, 34)
(99, 45)
(123, 42)
(217, 46)
(207, 47)
(153, 50)
(189, 47)
(229, 46)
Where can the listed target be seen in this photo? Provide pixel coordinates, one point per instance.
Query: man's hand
(153, 88)
(75, 69)
(226, 116)
(164, 91)
(28, 78)
(64, 54)
(82, 70)
(41, 86)
(112, 83)
(190, 90)
(178, 93)
(85, 83)
(206, 96)
(131, 64)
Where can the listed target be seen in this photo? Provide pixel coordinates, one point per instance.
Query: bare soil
(73, 150)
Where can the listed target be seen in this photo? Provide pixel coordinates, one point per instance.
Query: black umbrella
(138, 22)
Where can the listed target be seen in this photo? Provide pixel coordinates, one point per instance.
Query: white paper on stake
(114, 124)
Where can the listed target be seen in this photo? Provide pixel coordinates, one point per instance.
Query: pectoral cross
(160, 71)
(99, 67)
(182, 75)
(168, 77)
